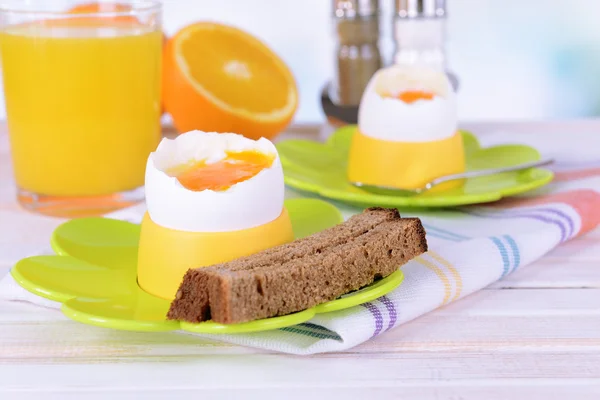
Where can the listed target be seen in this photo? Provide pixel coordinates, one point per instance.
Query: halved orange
(222, 79)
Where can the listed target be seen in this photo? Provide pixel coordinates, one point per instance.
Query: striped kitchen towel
(470, 248)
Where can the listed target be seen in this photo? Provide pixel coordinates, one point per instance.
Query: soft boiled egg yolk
(221, 175)
(411, 96)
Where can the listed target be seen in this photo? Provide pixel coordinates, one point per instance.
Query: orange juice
(83, 104)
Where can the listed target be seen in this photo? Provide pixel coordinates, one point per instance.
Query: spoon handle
(491, 171)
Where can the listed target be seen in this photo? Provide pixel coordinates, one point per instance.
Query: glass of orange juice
(82, 93)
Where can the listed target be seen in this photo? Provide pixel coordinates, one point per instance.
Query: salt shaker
(357, 52)
(420, 34)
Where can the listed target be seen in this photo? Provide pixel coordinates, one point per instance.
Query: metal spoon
(391, 191)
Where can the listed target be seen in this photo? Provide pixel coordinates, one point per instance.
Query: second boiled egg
(407, 130)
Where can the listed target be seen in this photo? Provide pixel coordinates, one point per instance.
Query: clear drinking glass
(82, 92)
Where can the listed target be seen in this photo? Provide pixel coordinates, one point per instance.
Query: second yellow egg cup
(408, 165)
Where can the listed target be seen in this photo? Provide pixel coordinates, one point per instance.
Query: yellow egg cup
(165, 255)
(407, 165)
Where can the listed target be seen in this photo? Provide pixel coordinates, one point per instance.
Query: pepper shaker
(419, 34)
(357, 52)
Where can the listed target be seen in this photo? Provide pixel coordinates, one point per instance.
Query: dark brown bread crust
(334, 236)
(192, 296)
(302, 274)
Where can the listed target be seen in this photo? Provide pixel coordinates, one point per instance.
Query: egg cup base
(406, 165)
(165, 255)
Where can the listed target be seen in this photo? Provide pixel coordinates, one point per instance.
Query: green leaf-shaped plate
(93, 275)
(320, 168)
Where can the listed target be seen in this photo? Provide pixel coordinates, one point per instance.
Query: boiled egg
(214, 182)
(408, 104)
(407, 130)
(211, 198)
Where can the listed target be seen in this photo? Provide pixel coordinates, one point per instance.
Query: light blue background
(516, 59)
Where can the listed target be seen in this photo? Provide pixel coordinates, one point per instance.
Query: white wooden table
(534, 335)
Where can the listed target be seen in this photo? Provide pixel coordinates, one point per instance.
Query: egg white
(391, 119)
(245, 205)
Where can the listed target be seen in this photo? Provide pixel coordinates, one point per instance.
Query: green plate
(320, 168)
(93, 275)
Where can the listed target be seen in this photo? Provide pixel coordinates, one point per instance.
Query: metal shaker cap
(355, 8)
(420, 8)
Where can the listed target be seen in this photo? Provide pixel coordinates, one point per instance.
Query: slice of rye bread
(301, 276)
(193, 293)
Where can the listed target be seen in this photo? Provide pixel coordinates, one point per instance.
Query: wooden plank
(517, 389)
(7, 186)
(517, 303)
(529, 320)
(550, 272)
(495, 321)
(546, 273)
(499, 389)
(258, 371)
(56, 342)
(572, 265)
(585, 248)
(553, 273)
(527, 302)
(4, 268)
(28, 234)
